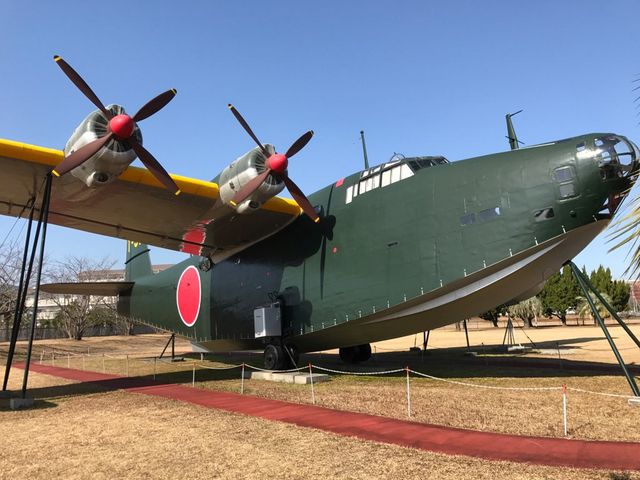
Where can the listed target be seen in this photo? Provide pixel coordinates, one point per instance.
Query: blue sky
(420, 77)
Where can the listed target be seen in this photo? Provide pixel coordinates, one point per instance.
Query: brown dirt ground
(159, 430)
(124, 435)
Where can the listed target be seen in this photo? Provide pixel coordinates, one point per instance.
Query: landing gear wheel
(355, 354)
(349, 354)
(273, 357)
(364, 352)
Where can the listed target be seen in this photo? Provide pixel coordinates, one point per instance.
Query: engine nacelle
(241, 171)
(111, 160)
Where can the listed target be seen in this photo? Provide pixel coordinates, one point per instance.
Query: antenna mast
(511, 132)
(364, 151)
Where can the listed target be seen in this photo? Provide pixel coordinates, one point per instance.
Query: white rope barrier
(604, 394)
(490, 387)
(57, 353)
(207, 367)
(341, 372)
(274, 371)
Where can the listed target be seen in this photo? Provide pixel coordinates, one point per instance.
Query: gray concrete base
(287, 377)
(17, 403)
(634, 401)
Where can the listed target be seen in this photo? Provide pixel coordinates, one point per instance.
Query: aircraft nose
(617, 160)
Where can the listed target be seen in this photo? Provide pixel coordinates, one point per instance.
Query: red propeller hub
(122, 126)
(278, 163)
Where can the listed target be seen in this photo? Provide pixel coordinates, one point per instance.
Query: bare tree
(79, 312)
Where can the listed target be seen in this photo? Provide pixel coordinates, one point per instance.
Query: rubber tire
(364, 352)
(273, 357)
(349, 354)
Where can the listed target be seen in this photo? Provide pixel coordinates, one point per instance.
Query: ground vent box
(266, 321)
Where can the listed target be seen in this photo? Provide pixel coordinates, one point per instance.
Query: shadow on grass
(451, 363)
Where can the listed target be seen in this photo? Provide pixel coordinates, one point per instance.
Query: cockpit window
(614, 155)
(564, 174)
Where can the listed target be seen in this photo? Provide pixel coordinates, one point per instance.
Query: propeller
(275, 165)
(119, 127)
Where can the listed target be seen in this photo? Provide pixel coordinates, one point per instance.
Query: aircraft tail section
(138, 263)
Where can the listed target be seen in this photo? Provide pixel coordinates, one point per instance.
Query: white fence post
(564, 408)
(103, 366)
(408, 394)
(242, 380)
(154, 367)
(313, 392)
(193, 378)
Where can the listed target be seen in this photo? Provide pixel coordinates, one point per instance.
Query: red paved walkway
(454, 441)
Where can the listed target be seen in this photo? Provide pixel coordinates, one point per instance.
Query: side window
(349, 195)
(395, 174)
(564, 174)
(386, 178)
(468, 219)
(488, 214)
(567, 190)
(543, 214)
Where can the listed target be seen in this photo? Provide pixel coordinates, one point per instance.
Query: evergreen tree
(494, 314)
(559, 294)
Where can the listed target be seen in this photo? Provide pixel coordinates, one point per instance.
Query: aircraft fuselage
(405, 247)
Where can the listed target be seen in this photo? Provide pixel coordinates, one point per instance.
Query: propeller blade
(299, 144)
(77, 80)
(250, 187)
(247, 128)
(154, 166)
(154, 105)
(81, 155)
(301, 199)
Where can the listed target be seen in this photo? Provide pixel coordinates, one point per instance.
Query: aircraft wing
(136, 206)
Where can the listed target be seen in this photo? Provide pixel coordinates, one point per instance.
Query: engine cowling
(111, 160)
(241, 171)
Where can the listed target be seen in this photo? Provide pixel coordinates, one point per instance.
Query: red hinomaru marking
(340, 182)
(189, 295)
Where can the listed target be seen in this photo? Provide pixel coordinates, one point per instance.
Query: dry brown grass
(78, 433)
(123, 435)
(517, 412)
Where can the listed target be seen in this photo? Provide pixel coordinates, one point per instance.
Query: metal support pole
(173, 335)
(425, 339)
(193, 378)
(17, 314)
(612, 311)
(42, 220)
(173, 346)
(466, 334)
(584, 286)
